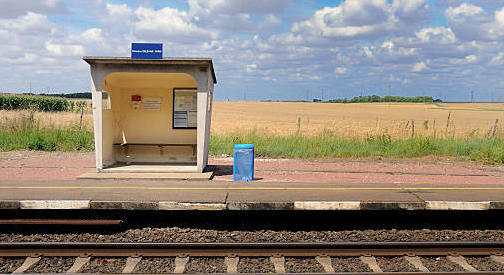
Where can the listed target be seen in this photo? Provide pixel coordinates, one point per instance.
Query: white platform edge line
(457, 205)
(55, 204)
(172, 205)
(327, 205)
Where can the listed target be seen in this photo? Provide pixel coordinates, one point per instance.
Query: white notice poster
(151, 103)
(185, 113)
(192, 118)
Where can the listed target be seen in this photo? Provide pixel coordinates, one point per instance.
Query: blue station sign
(146, 50)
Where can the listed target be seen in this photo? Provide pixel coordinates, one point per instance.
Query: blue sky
(268, 49)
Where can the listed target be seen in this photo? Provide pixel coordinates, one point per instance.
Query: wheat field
(398, 120)
(361, 120)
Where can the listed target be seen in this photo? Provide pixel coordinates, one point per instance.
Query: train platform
(223, 195)
(37, 180)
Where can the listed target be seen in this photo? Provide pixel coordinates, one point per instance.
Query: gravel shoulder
(440, 264)
(206, 265)
(8, 265)
(52, 265)
(105, 265)
(155, 265)
(255, 265)
(177, 234)
(484, 264)
(302, 265)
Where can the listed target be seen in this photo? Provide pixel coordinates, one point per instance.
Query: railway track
(341, 257)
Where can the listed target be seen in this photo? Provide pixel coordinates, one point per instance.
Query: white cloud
(340, 70)
(118, 14)
(411, 11)
(439, 35)
(251, 67)
(64, 50)
(354, 20)
(499, 17)
(463, 11)
(351, 19)
(367, 51)
(392, 78)
(471, 22)
(419, 67)
(11, 9)
(270, 22)
(497, 60)
(169, 24)
(239, 6)
(31, 23)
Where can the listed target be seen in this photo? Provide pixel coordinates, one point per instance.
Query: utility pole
(30, 88)
(472, 96)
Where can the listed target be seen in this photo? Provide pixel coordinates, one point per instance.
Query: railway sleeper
(277, 261)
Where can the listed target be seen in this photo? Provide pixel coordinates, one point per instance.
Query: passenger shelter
(151, 115)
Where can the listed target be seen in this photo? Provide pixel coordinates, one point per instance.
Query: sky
(268, 49)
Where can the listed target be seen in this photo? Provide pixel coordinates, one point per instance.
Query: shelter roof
(196, 61)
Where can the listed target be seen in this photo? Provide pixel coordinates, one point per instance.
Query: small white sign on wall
(151, 103)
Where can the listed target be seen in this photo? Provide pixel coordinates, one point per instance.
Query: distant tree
(375, 98)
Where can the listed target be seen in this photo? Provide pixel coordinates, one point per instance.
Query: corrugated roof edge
(104, 59)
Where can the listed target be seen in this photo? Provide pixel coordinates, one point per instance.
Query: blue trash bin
(243, 166)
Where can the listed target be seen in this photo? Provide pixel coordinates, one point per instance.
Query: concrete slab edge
(327, 205)
(54, 204)
(457, 205)
(247, 206)
(173, 205)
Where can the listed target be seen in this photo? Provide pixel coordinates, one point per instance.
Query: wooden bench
(160, 145)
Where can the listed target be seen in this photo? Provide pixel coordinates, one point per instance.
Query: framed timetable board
(185, 108)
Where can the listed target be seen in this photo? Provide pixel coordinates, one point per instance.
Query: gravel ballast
(206, 265)
(484, 264)
(177, 234)
(155, 265)
(349, 264)
(52, 265)
(440, 264)
(302, 265)
(255, 265)
(394, 264)
(8, 265)
(105, 265)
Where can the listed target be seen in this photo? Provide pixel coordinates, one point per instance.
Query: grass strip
(485, 150)
(490, 151)
(67, 139)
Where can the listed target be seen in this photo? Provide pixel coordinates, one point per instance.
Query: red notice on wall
(136, 98)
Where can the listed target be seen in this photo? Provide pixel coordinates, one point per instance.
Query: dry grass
(359, 119)
(344, 120)
(9, 120)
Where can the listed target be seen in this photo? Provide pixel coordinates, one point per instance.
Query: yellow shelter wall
(129, 125)
(107, 138)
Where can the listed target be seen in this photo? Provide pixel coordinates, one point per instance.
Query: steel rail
(26, 249)
(84, 222)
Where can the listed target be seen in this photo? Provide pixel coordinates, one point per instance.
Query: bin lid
(244, 146)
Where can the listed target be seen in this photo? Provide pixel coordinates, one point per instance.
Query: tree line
(376, 98)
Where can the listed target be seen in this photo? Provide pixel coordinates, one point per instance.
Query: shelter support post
(202, 131)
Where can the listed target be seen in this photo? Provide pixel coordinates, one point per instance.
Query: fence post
(495, 127)
(412, 128)
(299, 125)
(81, 113)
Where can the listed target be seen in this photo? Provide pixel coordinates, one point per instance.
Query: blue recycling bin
(243, 166)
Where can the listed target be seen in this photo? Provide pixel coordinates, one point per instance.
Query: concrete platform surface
(141, 194)
(144, 175)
